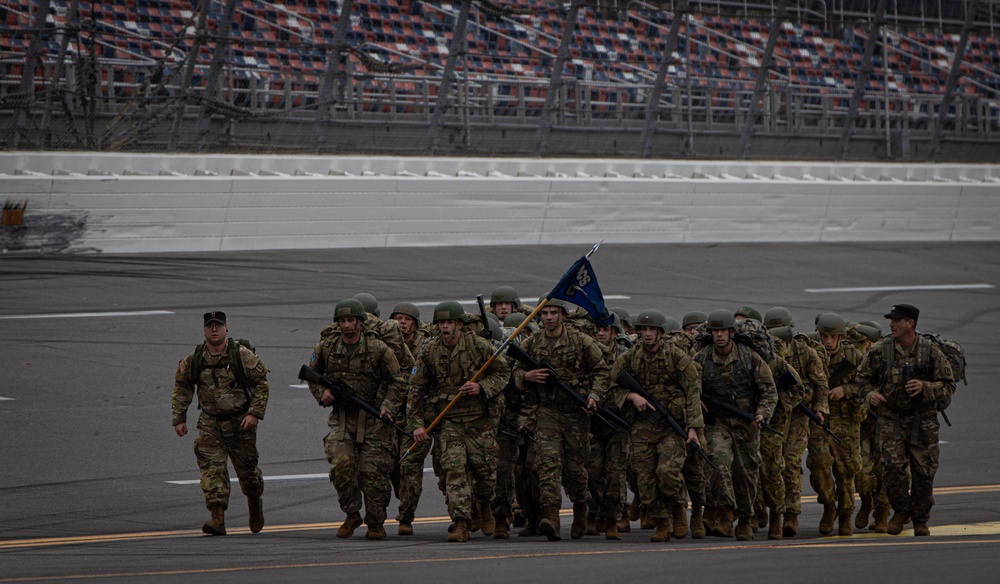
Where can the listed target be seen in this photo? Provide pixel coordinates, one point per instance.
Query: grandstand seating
(273, 43)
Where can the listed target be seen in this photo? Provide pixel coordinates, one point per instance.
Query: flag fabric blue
(579, 286)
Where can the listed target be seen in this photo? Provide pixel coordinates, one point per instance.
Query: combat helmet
(694, 317)
(623, 315)
(566, 307)
(777, 316)
(831, 323)
(349, 307)
(720, 319)
(749, 312)
(505, 294)
(449, 310)
(407, 308)
(653, 318)
(368, 301)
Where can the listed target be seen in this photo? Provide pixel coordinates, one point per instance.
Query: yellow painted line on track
(952, 530)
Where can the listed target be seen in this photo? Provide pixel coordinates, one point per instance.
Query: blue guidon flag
(579, 286)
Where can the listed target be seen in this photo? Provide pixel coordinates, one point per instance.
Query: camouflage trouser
(527, 482)
(361, 468)
(905, 459)
(562, 441)
(734, 447)
(658, 456)
(606, 473)
(503, 492)
(694, 471)
(869, 480)
(833, 465)
(772, 460)
(796, 441)
(411, 477)
(467, 452)
(217, 442)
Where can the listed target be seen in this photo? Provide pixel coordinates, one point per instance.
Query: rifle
(844, 368)
(659, 412)
(735, 411)
(511, 429)
(342, 391)
(603, 414)
(487, 333)
(785, 380)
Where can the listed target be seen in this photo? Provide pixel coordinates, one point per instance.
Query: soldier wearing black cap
(231, 383)
(907, 377)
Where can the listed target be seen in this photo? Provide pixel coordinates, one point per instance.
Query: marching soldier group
(705, 420)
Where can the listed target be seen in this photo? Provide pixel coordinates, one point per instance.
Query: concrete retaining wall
(155, 203)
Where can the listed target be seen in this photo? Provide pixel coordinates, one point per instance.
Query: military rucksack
(198, 364)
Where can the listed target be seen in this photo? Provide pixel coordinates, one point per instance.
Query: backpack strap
(198, 364)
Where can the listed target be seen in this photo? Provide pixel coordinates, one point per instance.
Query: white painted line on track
(528, 300)
(87, 314)
(6, 399)
(901, 288)
(274, 478)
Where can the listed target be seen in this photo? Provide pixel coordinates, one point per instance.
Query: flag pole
(482, 370)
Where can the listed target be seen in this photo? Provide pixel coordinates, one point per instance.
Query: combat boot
(530, 528)
(375, 532)
(405, 527)
(487, 523)
(680, 521)
(844, 524)
(624, 526)
(724, 523)
(352, 522)
(743, 530)
(633, 509)
(592, 527)
(861, 521)
(774, 527)
(612, 532)
(760, 518)
(502, 531)
(217, 526)
(708, 519)
(474, 523)
(461, 531)
(645, 521)
(826, 522)
(920, 529)
(663, 529)
(549, 525)
(697, 522)
(579, 527)
(256, 514)
(881, 523)
(791, 525)
(897, 523)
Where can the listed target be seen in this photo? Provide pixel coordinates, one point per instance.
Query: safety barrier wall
(150, 203)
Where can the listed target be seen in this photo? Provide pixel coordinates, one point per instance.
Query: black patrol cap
(216, 316)
(904, 311)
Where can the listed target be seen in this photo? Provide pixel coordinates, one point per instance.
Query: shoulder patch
(182, 367)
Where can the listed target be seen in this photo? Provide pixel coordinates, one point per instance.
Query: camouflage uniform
(606, 464)
(658, 453)
(772, 455)
(465, 439)
(743, 379)
(561, 426)
(359, 448)
(223, 404)
(408, 479)
(908, 427)
(810, 362)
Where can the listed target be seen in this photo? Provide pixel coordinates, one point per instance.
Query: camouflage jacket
(851, 406)
(670, 376)
(578, 360)
(219, 393)
(811, 365)
(744, 373)
(938, 371)
(369, 368)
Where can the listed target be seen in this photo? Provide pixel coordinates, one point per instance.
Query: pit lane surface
(91, 466)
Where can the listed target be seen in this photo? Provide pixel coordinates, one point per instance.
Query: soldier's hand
(181, 429)
(914, 388)
(384, 414)
(536, 375)
(420, 435)
(640, 402)
(249, 422)
(591, 405)
(693, 437)
(822, 419)
(470, 388)
(327, 398)
(875, 399)
(837, 392)
(758, 421)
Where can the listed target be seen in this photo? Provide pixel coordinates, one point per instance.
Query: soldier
(504, 301)
(466, 437)
(658, 453)
(868, 483)
(810, 362)
(409, 472)
(835, 490)
(691, 321)
(745, 312)
(561, 426)
(733, 375)
(231, 383)
(360, 449)
(908, 379)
